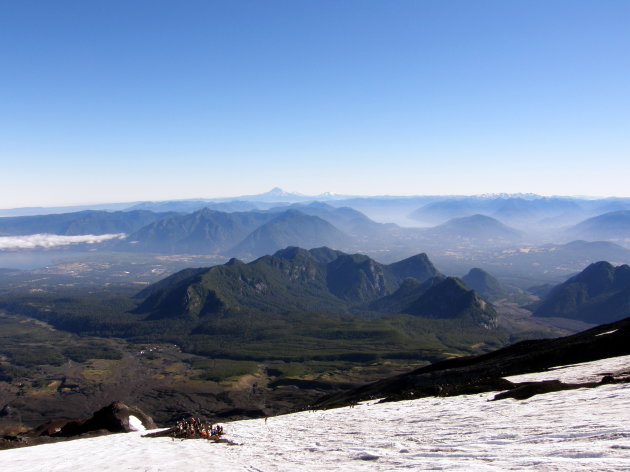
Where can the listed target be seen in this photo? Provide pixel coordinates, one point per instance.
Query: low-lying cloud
(34, 241)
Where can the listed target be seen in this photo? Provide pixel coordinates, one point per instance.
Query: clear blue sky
(122, 100)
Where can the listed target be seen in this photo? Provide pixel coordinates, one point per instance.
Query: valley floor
(584, 429)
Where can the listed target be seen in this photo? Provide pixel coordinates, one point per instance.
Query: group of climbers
(195, 428)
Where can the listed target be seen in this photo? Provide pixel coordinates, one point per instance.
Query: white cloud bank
(34, 241)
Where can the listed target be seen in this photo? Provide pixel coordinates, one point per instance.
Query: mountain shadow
(450, 298)
(408, 292)
(484, 284)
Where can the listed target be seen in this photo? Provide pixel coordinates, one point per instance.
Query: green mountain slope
(294, 282)
(319, 280)
(419, 267)
(599, 294)
(357, 278)
(409, 291)
(293, 279)
(451, 299)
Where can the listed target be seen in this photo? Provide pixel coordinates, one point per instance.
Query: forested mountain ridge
(598, 294)
(319, 280)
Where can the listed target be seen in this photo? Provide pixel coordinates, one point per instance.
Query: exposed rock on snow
(114, 418)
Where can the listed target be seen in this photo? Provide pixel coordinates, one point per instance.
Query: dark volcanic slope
(484, 373)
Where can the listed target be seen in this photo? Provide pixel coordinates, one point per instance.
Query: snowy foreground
(585, 429)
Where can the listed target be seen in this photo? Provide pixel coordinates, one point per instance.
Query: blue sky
(104, 101)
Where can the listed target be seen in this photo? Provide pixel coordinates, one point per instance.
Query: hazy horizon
(322, 197)
(151, 100)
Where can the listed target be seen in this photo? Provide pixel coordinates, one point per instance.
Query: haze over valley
(544, 238)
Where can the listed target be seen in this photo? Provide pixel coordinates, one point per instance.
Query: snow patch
(607, 332)
(578, 373)
(135, 424)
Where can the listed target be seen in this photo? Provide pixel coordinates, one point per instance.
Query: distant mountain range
(245, 234)
(549, 263)
(291, 228)
(575, 254)
(319, 280)
(81, 222)
(612, 226)
(241, 203)
(518, 210)
(190, 206)
(429, 210)
(477, 228)
(202, 232)
(346, 219)
(513, 210)
(599, 294)
(251, 233)
(262, 201)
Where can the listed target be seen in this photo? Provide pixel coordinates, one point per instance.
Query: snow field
(577, 430)
(580, 373)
